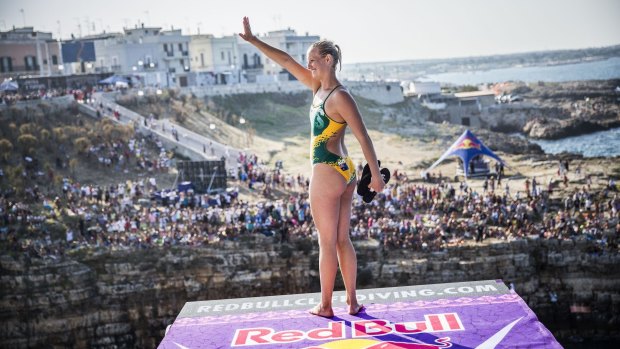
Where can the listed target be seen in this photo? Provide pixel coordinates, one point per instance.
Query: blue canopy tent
(467, 147)
(9, 85)
(114, 80)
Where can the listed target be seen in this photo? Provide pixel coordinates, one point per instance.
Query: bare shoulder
(343, 99)
(343, 105)
(342, 95)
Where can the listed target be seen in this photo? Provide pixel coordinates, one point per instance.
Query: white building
(418, 88)
(150, 55)
(215, 60)
(288, 41)
(251, 61)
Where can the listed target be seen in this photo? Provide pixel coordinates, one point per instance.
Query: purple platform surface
(477, 314)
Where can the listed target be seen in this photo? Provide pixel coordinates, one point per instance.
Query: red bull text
(359, 329)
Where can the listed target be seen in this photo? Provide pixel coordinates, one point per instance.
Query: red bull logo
(360, 333)
(467, 143)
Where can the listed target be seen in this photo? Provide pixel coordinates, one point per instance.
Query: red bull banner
(478, 314)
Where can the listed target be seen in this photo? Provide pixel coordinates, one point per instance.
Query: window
(222, 55)
(465, 121)
(181, 62)
(303, 57)
(165, 47)
(30, 62)
(202, 59)
(54, 59)
(181, 47)
(6, 64)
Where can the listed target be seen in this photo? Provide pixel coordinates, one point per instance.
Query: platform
(478, 314)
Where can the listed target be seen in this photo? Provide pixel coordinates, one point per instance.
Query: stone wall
(379, 91)
(126, 299)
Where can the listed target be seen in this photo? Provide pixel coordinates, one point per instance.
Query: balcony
(23, 68)
(252, 66)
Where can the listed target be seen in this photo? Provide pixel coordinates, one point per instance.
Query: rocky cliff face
(126, 299)
(572, 108)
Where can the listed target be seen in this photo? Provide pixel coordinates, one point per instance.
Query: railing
(252, 66)
(22, 68)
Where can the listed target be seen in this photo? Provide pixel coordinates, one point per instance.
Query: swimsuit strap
(329, 94)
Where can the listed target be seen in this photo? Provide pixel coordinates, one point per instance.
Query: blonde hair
(326, 47)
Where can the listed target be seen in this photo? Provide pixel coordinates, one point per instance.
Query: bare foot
(319, 311)
(354, 309)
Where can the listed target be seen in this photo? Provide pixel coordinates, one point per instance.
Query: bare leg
(326, 188)
(346, 253)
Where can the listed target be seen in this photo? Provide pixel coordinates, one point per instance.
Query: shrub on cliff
(56, 229)
(6, 147)
(28, 142)
(82, 144)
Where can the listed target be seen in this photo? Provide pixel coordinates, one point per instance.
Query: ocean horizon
(593, 70)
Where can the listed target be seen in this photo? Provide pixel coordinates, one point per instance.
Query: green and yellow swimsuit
(323, 129)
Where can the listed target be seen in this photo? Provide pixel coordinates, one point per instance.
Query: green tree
(44, 136)
(468, 88)
(27, 141)
(16, 177)
(82, 144)
(29, 128)
(6, 147)
(59, 134)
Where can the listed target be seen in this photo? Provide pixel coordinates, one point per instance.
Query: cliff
(125, 299)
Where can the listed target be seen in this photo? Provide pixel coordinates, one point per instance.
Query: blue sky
(366, 30)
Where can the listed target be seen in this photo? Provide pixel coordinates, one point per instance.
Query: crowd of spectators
(406, 215)
(423, 217)
(120, 155)
(12, 97)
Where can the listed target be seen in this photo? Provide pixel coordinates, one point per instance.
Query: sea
(594, 70)
(604, 143)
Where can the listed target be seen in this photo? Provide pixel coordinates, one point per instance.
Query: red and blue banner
(479, 314)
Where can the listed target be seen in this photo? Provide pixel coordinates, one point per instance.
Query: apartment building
(24, 51)
(152, 56)
(215, 60)
(287, 40)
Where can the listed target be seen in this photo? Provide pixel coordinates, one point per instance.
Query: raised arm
(282, 58)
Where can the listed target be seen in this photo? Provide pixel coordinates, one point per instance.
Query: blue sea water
(603, 143)
(596, 70)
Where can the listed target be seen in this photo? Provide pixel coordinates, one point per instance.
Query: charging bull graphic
(374, 344)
